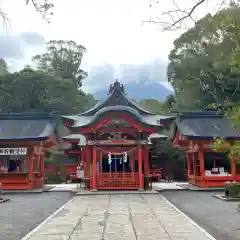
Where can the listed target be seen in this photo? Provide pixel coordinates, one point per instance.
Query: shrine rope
(117, 153)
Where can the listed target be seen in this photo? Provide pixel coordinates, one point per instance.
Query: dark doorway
(13, 165)
(117, 164)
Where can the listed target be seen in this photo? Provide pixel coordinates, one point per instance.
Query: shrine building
(112, 141)
(195, 132)
(23, 139)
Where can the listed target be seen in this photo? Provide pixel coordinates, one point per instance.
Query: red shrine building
(112, 141)
(23, 140)
(194, 132)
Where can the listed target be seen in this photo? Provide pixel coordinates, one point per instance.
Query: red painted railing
(116, 181)
(156, 173)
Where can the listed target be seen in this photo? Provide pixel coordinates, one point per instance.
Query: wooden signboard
(13, 151)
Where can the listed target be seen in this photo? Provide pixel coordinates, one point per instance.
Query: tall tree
(29, 90)
(63, 58)
(204, 64)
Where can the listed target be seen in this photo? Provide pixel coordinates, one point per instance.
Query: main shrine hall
(112, 141)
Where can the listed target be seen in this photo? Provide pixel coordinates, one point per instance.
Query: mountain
(139, 91)
(141, 81)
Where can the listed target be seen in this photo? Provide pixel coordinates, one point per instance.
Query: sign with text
(13, 151)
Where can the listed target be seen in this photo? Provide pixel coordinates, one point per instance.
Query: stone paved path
(119, 217)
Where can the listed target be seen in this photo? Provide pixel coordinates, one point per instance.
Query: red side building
(195, 133)
(111, 139)
(23, 139)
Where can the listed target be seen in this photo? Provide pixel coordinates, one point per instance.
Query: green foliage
(165, 148)
(158, 107)
(58, 175)
(151, 105)
(204, 64)
(63, 59)
(3, 67)
(232, 189)
(30, 90)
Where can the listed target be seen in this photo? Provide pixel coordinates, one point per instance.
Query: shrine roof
(79, 137)
(151, 120)
(116, 101)
(26, 127)
(116, 96)
(205, 125)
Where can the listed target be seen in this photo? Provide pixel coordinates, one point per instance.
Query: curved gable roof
(116, 97)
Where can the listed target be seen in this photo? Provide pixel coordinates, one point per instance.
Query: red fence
(69, 169)
(116, 181)
(156, 174)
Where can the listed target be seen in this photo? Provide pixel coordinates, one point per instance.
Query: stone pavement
(119, 217)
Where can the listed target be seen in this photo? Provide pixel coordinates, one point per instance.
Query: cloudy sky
(111, 31)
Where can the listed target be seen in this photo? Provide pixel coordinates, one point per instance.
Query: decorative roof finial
(116, 87)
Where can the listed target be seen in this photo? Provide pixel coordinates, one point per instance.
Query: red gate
(117, 181)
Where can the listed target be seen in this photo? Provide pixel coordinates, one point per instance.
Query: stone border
(189, 219)
(26, 237)
(3, 200)
(221, 197)
(87, 193)
(41, 190)
(192, 187)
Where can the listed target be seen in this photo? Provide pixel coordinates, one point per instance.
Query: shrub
(232, 189)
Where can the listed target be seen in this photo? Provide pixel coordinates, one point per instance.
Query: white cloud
(111, 30)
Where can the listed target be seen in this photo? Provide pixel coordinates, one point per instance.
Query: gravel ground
(218, 217)
(25, 211)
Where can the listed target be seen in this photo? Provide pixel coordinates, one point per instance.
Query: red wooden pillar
(83, 156)
(233, 169)
(140, 173)
(201, 164)
(30, 167)
(94, 170)
(100, 161)
(146, 160)
(87, 160)
(42, 169)
(188, 164)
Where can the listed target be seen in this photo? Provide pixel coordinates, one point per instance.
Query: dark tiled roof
(206, 125)
(116, 97)
(81, 138)
(81, 121)
(20, 127)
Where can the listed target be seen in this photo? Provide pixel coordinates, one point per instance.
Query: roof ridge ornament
(116, 87)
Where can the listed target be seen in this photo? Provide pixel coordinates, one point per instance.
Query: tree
(204, 69)
(204, 64)
(179, 15)
(3, 67)
(44, 7)
(63, 59)
(152, 105)
(29, 90)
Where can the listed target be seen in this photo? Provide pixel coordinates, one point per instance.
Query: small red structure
(23, 138)
(195, 133)
(112, 140)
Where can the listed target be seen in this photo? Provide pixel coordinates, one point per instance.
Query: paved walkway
(119, 217)
(167, 185)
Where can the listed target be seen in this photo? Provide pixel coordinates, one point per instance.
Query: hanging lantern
(125, 157)
(109, 158)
